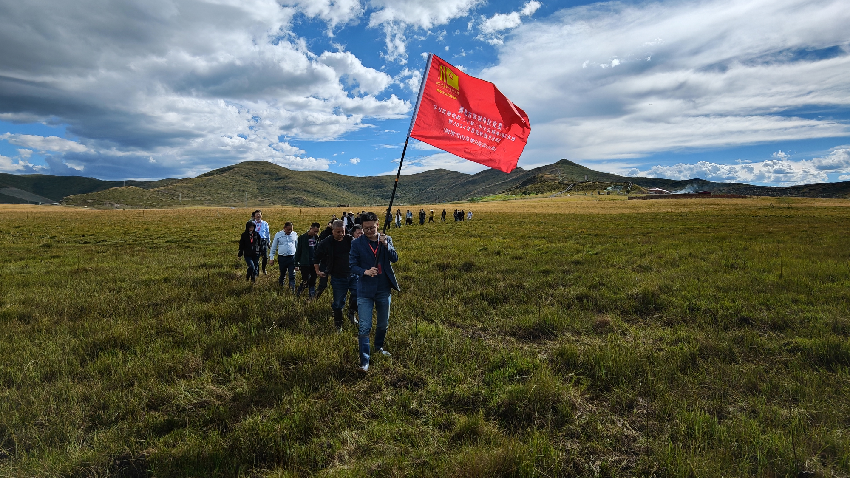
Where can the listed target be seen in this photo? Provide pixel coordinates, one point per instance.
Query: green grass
(544, 338)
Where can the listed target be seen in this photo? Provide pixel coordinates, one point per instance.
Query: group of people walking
(349, 253)
(459, 215)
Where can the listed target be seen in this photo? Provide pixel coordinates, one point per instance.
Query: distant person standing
(469, 215)
(249, 247)
(305, 251)
(443, 215)
(431, 217)
(398, 218)
(262, 228)
(371, 259)
(421, 217)
(283, 246)
(333, 252)
(408, 219)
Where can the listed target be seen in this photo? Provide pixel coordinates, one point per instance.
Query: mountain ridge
(264, 183)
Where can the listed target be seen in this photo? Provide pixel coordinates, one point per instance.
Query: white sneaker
(363, 368)
(384, 352)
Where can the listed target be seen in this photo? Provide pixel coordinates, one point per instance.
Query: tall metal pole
(395, 186)
(409, 130)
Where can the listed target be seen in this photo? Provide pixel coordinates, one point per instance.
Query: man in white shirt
(284, 246)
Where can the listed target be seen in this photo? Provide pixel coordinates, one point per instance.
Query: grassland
(581, 336)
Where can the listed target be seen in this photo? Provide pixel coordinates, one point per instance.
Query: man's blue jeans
(381, 304)
(253, 271)
(287, 263)
(341, 286)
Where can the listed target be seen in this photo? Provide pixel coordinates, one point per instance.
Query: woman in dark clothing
(249, 246)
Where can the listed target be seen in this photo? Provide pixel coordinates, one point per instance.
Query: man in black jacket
(304, 254)
(332, 253)
(323, 278)
(250, 246)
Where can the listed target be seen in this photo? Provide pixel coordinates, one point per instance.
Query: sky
(751, 91)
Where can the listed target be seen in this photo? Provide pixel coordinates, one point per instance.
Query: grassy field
(578, 336)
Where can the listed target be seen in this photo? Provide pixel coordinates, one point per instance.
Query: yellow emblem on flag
(448, 77)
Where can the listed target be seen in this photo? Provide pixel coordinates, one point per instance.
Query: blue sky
(743, 91)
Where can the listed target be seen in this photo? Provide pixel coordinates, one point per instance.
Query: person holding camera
(371, 259)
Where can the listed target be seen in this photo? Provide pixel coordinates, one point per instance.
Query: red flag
(468, 117)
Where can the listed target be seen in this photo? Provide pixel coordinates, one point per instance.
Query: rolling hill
(260, 183)
(45, 188)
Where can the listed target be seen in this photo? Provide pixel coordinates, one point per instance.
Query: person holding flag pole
(457, 113)
(465, 116)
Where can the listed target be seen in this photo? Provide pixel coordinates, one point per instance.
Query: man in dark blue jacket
(371, 258)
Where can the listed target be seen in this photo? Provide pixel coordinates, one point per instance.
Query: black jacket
(248, 248)
(325, 251)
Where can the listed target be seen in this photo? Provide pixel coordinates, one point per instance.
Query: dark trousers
(342, 286)
(287, 267)
(264, 253)
(308, 279)
(323, 282)
(251, 261)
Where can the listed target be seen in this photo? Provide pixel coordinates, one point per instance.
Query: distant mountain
(263, 183)
(45, 188)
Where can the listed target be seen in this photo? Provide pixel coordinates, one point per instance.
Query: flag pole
(403, 151)
(395, 186)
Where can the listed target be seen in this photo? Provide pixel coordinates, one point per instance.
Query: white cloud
(369, 80)
(493, 26)
(780, 171)
(194, 91)
(419, 13)
(422, 146)
(334, 12)
(410, 79)
(354, 160)
(530, 7)
(836, 161)
(7, 166)
(722, 74)
(439, 161)
(44, 143)
(396, 17)
(396, 42)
